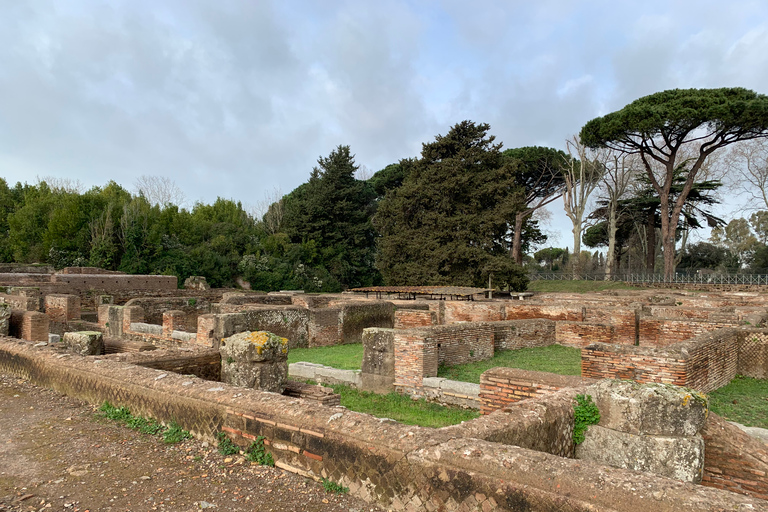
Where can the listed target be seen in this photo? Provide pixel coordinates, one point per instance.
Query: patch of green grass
(577, 286)
(553, 359)
(171, 434)
(402, 408)
(744, 400)
(342, 357)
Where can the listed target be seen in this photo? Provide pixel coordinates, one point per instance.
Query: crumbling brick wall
(753, 353)
(515, 334)
(704, 363)
(501, 387)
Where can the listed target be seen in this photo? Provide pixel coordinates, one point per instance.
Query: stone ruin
(518, 455)
(256, 360)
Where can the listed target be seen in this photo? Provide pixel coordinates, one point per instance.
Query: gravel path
(57, 454)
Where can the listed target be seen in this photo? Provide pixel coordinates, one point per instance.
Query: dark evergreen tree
(333, 210)
(449, 221)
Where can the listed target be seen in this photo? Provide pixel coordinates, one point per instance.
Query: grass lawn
(578, 286)
(402, 408)
(553, 359)
(342, 357)
(744, 400)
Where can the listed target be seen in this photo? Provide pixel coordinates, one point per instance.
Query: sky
(238, 99)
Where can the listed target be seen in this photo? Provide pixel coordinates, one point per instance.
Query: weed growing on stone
(333, 487)
(585, 414)
(171, 435)
(258, 454)
(226, 446)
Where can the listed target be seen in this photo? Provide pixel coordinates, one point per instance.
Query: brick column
(173, 321)
(62, 307)
(132, 315)
(34, 326)
(205, 328)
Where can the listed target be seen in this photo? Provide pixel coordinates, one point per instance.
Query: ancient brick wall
(705, 363)
(501, 387)
(402, 467)
(517, 311)
(115, 282)
(286, 321)
(753, 354)
(473, 311)
(325, 327)
(581, 334)
(662, 332)
(514, 334)
(419, 352)
(409, 318)
(734, 460)
(20, 302)
(62, 308)
(154, 307)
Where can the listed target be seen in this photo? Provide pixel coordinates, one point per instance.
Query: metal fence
(682, 278)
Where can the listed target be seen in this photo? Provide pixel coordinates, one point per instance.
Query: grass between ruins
(744, 400)
(401, 408)
(341, 357)
(553, 359)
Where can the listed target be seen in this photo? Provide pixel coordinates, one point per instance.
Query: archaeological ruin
(214, 361)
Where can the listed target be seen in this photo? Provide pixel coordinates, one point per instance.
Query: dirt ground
(57, 454)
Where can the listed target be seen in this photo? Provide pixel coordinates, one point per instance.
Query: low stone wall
(704, 363)
(501, 387)
(515, 334)
(108, 282)
(402, 467)
(474, 311)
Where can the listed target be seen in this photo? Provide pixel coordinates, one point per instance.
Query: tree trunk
(576, 245)
(650, 233)
(610, 258)
(517, 244)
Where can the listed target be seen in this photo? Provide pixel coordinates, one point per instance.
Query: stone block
(114, 320)
(255, 359)
(5, 319)
(681, 458)
(378, 368)
(196, 283)
(54, 338)
(649, 409)
(143, 328)
(85, 343)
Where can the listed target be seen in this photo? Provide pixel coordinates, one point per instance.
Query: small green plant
(226, 446)
(192, 302)
(258, 454)
(333, 487)
(471, 353)
(585, 414)
(230, 360)
(175, 434)
(171, 435)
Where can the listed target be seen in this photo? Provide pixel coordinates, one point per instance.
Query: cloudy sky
(238, 98)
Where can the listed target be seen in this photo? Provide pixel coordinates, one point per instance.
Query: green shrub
(257, 453)
(333, 487)
(226, 446)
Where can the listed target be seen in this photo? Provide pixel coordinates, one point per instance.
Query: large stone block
(649, 409)
(255, 359)
(378, 369)
(681, 458)
(85, 343)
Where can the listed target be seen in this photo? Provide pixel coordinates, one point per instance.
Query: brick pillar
(132, 315)
(173, 321)
(34, 326)
(415, 358)
(103, 314)
(205, 328)
(62, 308)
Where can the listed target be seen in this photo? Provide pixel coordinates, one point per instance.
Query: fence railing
(681, 278)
